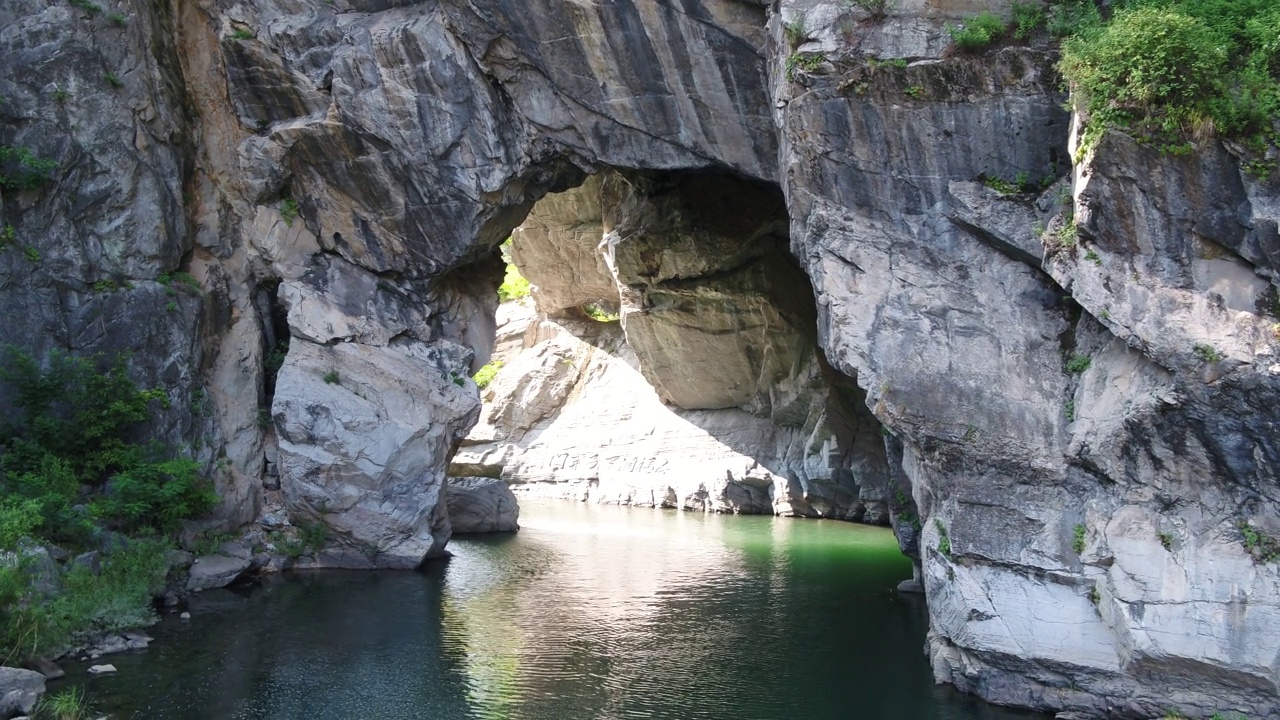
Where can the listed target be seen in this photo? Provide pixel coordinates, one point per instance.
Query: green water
(590, 613)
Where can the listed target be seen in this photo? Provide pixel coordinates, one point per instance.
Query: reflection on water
(590, 612)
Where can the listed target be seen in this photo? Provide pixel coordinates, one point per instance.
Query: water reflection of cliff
(625, 613)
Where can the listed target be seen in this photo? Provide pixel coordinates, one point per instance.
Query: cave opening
(656, 346)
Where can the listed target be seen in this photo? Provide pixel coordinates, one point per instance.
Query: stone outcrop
(481, 505)
(1077, 381)
(215, 571)
(19, 691)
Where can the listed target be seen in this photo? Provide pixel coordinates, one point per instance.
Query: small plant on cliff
(978, 32)
(289, 211)
(877, 9)
(795, 32)
(1262, 547)
(1077, 539)
(1070, 410)
(331, 378)
(804, 62)
(1207, 353)
(21, 169)
(486, 374)
(1166, 539)
(944, 540)
(242, 34)
(118, 19)
(1028, 17)
(1079, 363)
(112, 80)
(88, 6)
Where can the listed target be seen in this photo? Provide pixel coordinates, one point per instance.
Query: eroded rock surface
(481, 505)
(336, 176)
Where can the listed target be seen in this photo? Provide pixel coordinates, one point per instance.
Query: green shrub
(156, 495)
(332, 378)
(313, 535)
(795, 33)
(1079, 363)
(514, 286)
(486, 374)
(1028, 17)
(1169, 70)
(1068, 17)
(68, 444)
(117, 599)
(21, 169)
(978, 32)
(944, 540)
(289, 211)
(1077, 540)
(1207, 353)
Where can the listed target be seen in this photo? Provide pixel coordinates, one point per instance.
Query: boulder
(481, 505)
(215, 571)
(19, 691)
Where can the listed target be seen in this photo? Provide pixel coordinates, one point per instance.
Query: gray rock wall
(339, 174)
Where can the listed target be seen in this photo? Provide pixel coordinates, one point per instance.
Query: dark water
(589, 613)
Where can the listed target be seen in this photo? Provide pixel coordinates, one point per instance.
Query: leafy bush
(156, 495)
(486, 374)
(20, 169)
(68, 446)
(978, 32)
(1028, 17)
(1207, 353)
(289, 211)
(514, 286)
(1173, 69)
(1079, 363)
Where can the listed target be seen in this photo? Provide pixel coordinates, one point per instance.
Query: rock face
(1077, 383)
(481, 505)
(19, 691)
(215, 571)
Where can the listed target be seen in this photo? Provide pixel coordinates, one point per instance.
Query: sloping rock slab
(481, 505)
(215, 571)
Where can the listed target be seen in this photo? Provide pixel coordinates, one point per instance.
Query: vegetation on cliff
(76, 478)
(1170, 70)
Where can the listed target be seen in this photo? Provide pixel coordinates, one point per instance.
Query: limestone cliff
(1077, 381)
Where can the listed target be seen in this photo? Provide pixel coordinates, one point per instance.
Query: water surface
(588, 613)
